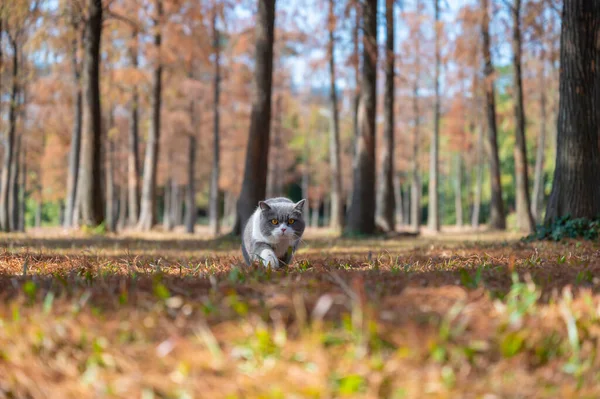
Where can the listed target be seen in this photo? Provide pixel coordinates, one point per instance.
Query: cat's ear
(300, 205)
(263, 206)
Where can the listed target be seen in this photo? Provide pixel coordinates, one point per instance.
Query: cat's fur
(270, 244)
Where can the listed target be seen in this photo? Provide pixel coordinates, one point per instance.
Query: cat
(273, 232)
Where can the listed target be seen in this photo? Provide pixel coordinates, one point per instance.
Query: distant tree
(576, 184)
(257, 154)
(433, 217)
(385, 197)
(525, 221)
(337, 208)
(361, 216)
(497, 217)
(133, 155)
(148, 200)
(214, 220)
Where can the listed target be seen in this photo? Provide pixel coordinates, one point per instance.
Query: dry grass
(459, 315)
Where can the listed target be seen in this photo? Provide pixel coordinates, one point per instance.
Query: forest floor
(467, 315)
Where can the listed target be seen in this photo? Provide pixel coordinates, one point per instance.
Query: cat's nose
(283, 229)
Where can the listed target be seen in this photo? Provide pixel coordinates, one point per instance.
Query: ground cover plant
(448, 316)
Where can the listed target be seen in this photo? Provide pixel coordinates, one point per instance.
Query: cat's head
(282, 219)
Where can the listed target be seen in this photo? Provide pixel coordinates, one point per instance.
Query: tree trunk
(356, 99)
(110, 186)
(538, 183)
(148, 199)
(497, 218)
(386, 201)
(525, 221)
(433, 216)
(415, 191)
(14, 186)
(190, 218)
(257, 153)
(306, 166)
(576, 183)
(123, 198)
(478, 180)
(175, 203)
(398, 200)
(337, 209)
(361, 218)
(74, 154)
(214, 222)
(90, 181)
(458, 205)
(23, 189)
(38, 213)
(133, 155)
(314, 219)
(274, 185)
(9, 143)
(167, 220)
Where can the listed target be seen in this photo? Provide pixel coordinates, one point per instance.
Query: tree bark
(23, 190)
(110, 187)
(214, 220)
(123, 199)
(337, 209)
(90, 181)
(525, 221)
(386, 201)
(478, 180)
(148, 200)
(75, 151)
(190, 218)
(576, 183)
(416, 189)
(433, 216)
(175, 203)
(538, 182)
(257, 153)
(399, 203)
(133, 153)
(458, 205)
(314, 218)
(361, 218)
(167, 220)
(497, 217)
(9, 141)
(356, 99)
(14, 186)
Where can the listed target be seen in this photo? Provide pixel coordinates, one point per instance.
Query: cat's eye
(291, 221)
(274, 221)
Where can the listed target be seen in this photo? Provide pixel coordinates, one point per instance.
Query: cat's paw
(268, 259)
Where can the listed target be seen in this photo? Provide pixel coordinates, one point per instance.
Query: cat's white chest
(283, 246)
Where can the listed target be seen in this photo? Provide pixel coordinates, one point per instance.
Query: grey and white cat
(273, 232)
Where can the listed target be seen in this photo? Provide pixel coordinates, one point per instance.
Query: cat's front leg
(266, 256)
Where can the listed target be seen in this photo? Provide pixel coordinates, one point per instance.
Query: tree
(361, 217)
(433, 217)
(576, 185)
(75, 150)
(538, 182)
(257, 152)
(415, 189)
(215, 226)
(148, 199)
(386, 200)
(497, 218)
(133, 157)
(337, 208)
(525, 221)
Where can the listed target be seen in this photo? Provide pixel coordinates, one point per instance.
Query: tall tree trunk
(356, 99)
(274, 185)
(110, 186)
(133, 152)
(90, 174)
(14, 186)
(415, 190)
(9, 141)
(538, 182)
(38, 213)
(148, 199)
(23, 189)
(398, 200)
(123, 198)
(314, 219)
(214, 222)
(433, 216)
(167, 220)
(257, 153)
(497, 217)
(175, 203)
(361, 218)
(525, 221)
(75, 151)
(337, 209)
(478, 180)
(306, 166)
(386, 201)
(576, 183)
(190, 218)
(458, 205)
